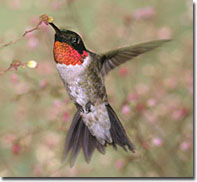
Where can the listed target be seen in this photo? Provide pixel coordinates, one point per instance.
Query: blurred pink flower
(57, 103)
(55, 110)
(66, 117)
(45, 68)
(157, 141)
(8, 139)
(132, 97)
(44, 27)
(150, 116)
(119, 164)
(21, 88)
(164, 33)
(16, 148)
(34, 20)
(38, 170)
(127, 19)
(180, 113)
(32, 42)
(43, 84)
(123, 71)
(14, 4)
(144, 13)
(145, 145)
(51, 139)
(142, 89)
(14, 78)
(151, 102)
(126, 110)
(56, 5)
(185, 145)
(140, 107)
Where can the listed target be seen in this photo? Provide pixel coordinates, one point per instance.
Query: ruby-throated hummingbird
(95, 124)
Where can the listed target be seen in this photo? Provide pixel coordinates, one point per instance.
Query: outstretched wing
(114, 58)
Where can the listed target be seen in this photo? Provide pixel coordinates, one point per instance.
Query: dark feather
(112, 59)
(72, 131)
(117, 131)
(77, 144)
(79, 137)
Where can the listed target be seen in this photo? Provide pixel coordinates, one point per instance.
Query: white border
(135, 180)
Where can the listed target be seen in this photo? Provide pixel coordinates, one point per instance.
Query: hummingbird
(95, 124)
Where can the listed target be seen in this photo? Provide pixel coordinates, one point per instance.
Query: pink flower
(43, 84)
(66, 116)
(127, 20)
(157, 141)
(33, 42)
(123, 71)
(142, 89)
(150, 116)
(164, 33)
(57, 104)
(132, 97)
(140, 107)
(38, 169)
(145, 145)
(45, 68)
(44, 27)
(16, 148)
(15, 4)
(56, 5)
(21, 88)
(184, 146)
(119, 164)
(126, 110)
(144, 13)
(151, 102)
(34, 20)
(51, 139)
(8, 139)
(14, 78)
(55, 110)
(180, 113)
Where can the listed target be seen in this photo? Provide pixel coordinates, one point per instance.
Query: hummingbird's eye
(75, 40)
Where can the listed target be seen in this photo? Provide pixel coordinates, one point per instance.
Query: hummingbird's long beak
(57, 30)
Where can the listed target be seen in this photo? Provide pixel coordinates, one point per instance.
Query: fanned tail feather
(79, 137)
(118, 133)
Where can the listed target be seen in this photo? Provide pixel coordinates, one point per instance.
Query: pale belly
(85, 85)
(82, 83)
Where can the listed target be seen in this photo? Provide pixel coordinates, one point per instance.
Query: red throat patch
(65, 54)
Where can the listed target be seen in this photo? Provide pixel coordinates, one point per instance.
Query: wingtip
(165, 40)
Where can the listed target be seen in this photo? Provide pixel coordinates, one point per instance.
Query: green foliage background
(152, 95)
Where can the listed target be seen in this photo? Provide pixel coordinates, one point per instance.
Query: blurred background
(152, 94)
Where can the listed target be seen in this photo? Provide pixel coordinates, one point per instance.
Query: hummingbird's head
(68, 47)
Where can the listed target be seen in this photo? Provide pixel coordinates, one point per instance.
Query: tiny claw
(88, 107)
(79, 107)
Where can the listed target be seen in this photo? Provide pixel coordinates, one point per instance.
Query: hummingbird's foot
(79, 107)
(88, 107)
